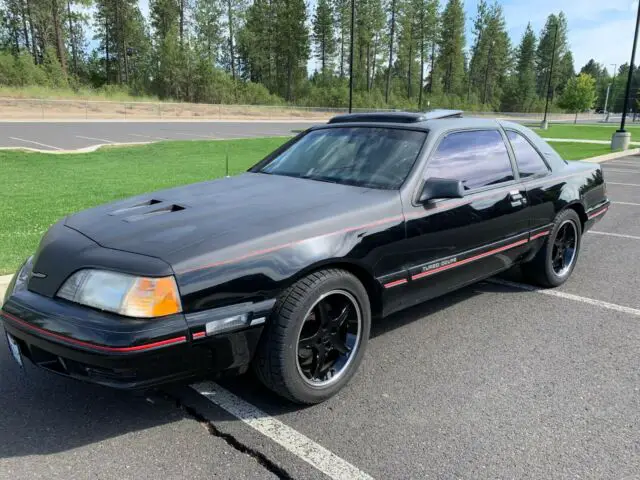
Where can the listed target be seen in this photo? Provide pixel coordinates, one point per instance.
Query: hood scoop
(144, 210)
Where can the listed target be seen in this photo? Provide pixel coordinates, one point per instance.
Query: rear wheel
(316, 337)
(555, 261)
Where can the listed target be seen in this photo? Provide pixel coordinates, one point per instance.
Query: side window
(528, 159)
(478, 158)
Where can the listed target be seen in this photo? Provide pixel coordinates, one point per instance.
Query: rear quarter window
(529, 161)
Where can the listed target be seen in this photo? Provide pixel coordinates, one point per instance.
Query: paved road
(71, 135)
(492, 381)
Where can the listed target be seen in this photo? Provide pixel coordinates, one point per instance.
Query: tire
(281, 361)
(542, 270)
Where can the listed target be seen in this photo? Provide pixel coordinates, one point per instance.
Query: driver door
(453, 242)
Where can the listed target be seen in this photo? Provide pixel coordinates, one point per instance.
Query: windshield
(363, 156)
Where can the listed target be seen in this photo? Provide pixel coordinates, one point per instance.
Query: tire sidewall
(293, 378)
(552, 276)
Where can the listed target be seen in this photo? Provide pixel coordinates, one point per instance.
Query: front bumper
(131, 354)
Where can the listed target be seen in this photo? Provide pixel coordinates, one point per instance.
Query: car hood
(187, 221)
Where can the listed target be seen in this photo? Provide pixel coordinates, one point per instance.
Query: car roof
(438, 120)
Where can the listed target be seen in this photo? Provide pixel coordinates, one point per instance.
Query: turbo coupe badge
(441, 263)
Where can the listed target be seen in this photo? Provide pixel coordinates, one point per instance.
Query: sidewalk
(576, 140)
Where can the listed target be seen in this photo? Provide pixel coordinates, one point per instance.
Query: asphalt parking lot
(56, 136)
(492, 381)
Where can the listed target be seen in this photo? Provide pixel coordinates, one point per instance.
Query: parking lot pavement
(69, 136)
(490, 381)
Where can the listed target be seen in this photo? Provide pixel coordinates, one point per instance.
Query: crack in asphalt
(233, 442)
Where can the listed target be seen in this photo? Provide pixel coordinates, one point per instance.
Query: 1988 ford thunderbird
(282, 268)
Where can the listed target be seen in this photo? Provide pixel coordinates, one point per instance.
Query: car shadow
(249, 388)
(45, 414)
(42, 413)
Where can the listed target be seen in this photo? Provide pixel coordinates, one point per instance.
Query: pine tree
(323, 36)
(450, 62)
(208, 29)
(522, 91)
(545, 53)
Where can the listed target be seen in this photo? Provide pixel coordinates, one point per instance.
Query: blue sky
(599, 29)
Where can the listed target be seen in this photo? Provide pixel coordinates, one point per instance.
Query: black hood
(177, 223)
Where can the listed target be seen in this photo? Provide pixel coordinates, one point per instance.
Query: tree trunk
(57, 28)
(289, 79)
(433, 57)
(181, 23)
(72, 39)
(342, 52)
(368, 64)
(421, 67)
(117, 41)
(323, 57)
(410, 62)
(575, 121)
(25, 32)
(393, 26)
(373, 60)
(231, 54)
(106, 48)
(33, 37)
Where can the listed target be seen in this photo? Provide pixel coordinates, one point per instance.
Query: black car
(282, 268)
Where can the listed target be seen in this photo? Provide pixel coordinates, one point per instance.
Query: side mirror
(435, 188)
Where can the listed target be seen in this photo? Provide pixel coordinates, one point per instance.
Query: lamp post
(612, 94)
(545, 123)
(622, 138)
(353, 17)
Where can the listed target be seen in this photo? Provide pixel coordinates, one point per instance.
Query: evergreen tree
(545, 53)
(450, 62)
(522, 91)
(323, 35)
(208, 30)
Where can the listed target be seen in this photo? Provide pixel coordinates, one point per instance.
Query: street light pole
(606, 99)
(353, 16)
(622, 138)
(545, 123)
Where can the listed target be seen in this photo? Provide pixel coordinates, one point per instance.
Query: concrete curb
(613, 156)
(4, 283)
(93, 148)
(582, 140)
(169, 120)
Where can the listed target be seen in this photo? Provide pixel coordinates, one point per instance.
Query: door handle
(516, 197)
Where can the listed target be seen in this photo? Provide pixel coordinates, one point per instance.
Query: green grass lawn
(586, 132)
(38, 188)
(579, 151)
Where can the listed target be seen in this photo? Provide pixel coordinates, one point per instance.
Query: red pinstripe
(469, 260)
(598, 213)
(395, 283)
(538, 235)
(93, 346)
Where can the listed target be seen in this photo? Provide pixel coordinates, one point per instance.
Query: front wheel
(316, 337)
(553, 264)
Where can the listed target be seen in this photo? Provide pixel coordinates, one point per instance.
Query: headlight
(123, 294)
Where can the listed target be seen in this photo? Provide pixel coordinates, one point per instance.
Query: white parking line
(295, 442)
(194, 135)
(620, 235)
(626, 203)
(94, 138)
(567, 296)
(625, 184)
(147, 136)
(35, 143)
